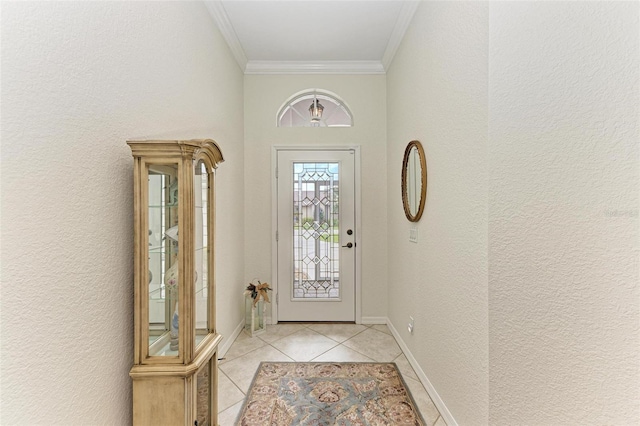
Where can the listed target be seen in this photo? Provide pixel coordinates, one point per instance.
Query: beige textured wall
(527, 261)
(365, 96)
(437, 94)
(564, 284)
(78, 80)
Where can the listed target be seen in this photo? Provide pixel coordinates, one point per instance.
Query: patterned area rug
(323, 394)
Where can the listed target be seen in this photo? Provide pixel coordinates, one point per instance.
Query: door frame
(274, 222)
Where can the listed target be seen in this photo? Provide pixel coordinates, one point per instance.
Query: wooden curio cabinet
(175, 368)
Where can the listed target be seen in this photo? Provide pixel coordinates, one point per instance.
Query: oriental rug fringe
(328, 393)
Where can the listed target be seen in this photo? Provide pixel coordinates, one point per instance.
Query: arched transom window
(314, 108)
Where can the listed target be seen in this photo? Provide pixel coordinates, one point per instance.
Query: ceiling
(321, 36)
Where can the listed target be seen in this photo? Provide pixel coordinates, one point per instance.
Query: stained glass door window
(316, 234)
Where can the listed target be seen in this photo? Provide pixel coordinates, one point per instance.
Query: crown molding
(402, 23)
(314, 67)
(220, 17)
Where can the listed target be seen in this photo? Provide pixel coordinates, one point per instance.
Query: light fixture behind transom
(326, 109)
(315, 110)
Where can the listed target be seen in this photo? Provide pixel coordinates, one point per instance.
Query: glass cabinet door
(163, 318)
(202, 256)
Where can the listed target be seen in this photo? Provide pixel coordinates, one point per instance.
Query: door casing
(274, 223)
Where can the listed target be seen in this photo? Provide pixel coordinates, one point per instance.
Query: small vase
(254, 317)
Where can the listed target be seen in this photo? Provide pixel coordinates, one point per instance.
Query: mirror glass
(201, 277)
(204, 383)
(414, 181)
(162, 255)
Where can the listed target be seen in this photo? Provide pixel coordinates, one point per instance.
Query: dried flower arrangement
(256, 291)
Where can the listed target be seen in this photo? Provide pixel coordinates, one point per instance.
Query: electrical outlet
(410, 325)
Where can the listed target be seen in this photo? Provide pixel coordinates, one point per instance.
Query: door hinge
(276, 173)
(277, 236)
(277, 298)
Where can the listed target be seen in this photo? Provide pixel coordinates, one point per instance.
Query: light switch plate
(413, 234)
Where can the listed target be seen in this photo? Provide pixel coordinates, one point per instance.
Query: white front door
(316, 251)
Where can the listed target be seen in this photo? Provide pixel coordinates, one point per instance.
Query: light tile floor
(312, 342)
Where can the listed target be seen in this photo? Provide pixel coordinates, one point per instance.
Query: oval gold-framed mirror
(414, 181)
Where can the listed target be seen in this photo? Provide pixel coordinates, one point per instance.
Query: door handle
(349, 245)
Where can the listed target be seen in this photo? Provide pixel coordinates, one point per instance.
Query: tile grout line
(371, 328)
(414, 371)
(229, 408)
(338, 343)
(282, 337)
(330, 349)
(361, 331)
(243, 355)
(232, 382)
(282, 354)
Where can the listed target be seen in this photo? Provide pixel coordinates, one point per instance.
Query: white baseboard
(437, 401)
(374, 320)
(228, 341)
